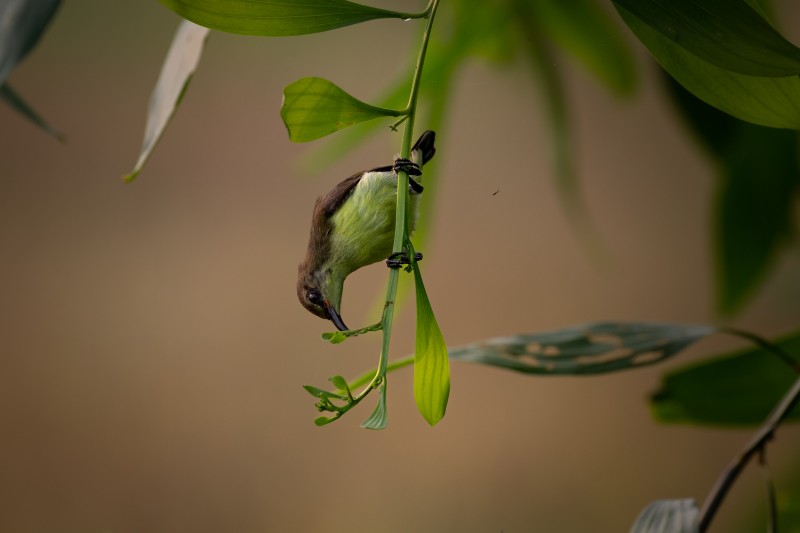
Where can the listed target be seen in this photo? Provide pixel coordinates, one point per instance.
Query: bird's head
(320, 292)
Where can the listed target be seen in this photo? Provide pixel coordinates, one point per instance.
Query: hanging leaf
(15, 101)
(761, 100)
(278, 18)
(22, 23)
(176, 73)
(314, 107)
(668, 516)
(740, 388)
(588, 349)
(378, 419)
(431, 367)
(729, 34)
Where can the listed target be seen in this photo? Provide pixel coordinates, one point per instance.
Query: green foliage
(668, 516)
(314, 107)
(740, 388)
(378, 419)
(278, 18)
(431, 366)
(179, 66)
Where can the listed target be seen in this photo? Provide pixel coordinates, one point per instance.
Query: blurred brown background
(153, 349)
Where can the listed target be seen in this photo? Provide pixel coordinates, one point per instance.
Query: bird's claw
(406, 165)
(398, 259)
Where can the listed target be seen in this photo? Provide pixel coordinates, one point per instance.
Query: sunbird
(353, 226)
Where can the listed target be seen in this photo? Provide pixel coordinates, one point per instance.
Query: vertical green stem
(401, 224)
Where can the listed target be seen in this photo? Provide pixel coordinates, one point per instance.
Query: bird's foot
(398, 259)
(410, 168)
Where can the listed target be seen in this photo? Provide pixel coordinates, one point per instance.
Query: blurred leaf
(378, 419)
(765, 101)
(336, 337)
(176, 73)
(340, 383)
(787, 501)
(16, 102)
(740, 388)
(587, 349)
(314, 107)
(324, 420)
(760, 180)
(582, 28)
(668, 516)
(22, 23)
(431, 366)
(726, 33)
(277, 18)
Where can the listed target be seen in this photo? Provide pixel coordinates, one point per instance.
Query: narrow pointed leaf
(773, 102)
(729, 34)
(315, 107)
(15, 101)
(277, 18)
(740, 388)
(378, 418)
(587, 349)
(22, 23)
(668, 516)
(431, 365)
(176, 73)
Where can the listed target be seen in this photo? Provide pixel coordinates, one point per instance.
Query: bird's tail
(423, 150)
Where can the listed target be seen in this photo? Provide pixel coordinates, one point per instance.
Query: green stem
(401, 224)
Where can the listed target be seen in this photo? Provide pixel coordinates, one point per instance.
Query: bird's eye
(314, 296)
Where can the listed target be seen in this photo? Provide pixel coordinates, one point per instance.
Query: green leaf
(22, 23)
(726, 33)
(431, 366)
(759, 182)
(587, 349)
(324, 420)
(314, 107)
(176, 73)
(582, 28)
(339, 382)
(319, 393)
(278, 18)
(378, 419)
(769, 102)
(668, 516)
(335, 337)
(740, 388)
(16, 102)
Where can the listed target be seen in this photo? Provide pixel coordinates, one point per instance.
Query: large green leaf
(584, 30)
(773, 102)
(431, 366)
(314, 107)
(668, 516)
(759, 182)
(588, 349)
(740, 388)
(176, 73)
(15, 101)
(21, 25)
(278, 18)
(727, 33)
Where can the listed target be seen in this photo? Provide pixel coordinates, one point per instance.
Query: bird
(353, 226)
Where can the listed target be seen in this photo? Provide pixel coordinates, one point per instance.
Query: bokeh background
(153, 349)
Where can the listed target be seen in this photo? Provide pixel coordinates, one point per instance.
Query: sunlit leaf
(726, 33)
(277, 18)
(769, 102)
(176, 73)
(759, 182)
(431, 366)
(740, 388)
(582, 28)
(668, 516)
(378, 418)
(21, 25)
(587, 349)
(15, 101)
(314, 107)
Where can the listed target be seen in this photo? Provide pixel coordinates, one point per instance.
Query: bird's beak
(335, 318)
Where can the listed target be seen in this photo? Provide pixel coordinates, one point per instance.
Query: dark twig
(774, 349)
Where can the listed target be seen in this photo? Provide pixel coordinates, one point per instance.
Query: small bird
(353, 226)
